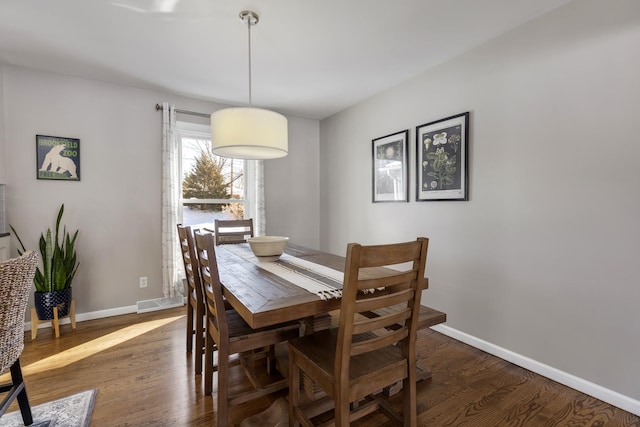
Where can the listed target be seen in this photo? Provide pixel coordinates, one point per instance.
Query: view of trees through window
(212, 186)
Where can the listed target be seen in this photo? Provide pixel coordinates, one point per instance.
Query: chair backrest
(190, 259)
(233, 231)
(216, 316)
(369, 286)
(16, 281)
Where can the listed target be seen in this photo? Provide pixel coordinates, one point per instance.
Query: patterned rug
(71, 411)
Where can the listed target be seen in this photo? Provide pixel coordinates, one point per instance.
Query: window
(212, 187)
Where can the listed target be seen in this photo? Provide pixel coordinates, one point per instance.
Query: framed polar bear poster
(58, 158)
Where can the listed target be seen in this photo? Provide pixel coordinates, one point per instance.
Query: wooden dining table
(263, 298)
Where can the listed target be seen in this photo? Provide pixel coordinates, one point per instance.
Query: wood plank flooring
(144, 378)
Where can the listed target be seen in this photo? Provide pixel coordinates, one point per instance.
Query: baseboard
(80, 317)
(156, 304)
(606, 395)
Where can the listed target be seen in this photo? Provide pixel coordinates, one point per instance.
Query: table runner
(315, 278)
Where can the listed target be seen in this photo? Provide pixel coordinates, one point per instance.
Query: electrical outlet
(143, 282)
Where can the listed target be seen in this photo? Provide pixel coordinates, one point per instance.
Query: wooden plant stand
(55, 321)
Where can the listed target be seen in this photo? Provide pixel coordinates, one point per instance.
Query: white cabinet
(4, 247)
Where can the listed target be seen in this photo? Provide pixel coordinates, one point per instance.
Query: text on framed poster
(58, 158)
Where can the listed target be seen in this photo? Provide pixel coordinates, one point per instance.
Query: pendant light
(249, 133)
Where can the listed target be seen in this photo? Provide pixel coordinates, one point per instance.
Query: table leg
(422, 374)
(316, 323)
(319, 322)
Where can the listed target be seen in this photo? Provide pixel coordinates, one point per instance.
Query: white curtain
(254, 206)
(170, 202)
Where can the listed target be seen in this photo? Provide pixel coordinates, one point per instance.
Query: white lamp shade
(249, 133)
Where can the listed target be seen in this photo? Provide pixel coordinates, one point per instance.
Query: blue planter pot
(45, 301)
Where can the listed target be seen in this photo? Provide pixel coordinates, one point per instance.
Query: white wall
(117, 203)
(293, 202)
(543, 259)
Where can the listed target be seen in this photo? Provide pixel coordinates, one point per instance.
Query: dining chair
(232, 230)
(195, 297)
(16, 280)
(355, 361)
(233, 335)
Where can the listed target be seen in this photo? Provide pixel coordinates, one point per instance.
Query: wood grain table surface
(265, 299)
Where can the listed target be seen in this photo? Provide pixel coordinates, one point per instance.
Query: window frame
(201, 131)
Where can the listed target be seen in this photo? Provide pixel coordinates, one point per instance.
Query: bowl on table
(268, 248)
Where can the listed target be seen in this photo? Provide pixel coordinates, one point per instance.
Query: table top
(264, 299)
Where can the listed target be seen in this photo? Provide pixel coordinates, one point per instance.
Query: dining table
(269, 291)
(301, 284)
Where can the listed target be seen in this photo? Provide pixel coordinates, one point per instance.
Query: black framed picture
(442, 160)
(390, 168)
(57, 158)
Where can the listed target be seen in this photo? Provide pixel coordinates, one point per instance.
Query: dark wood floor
(144, 378)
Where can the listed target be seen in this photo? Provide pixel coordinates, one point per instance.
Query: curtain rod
(191, 113)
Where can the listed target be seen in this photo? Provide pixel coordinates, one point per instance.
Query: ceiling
(309, 58)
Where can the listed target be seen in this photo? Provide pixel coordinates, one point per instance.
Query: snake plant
(59, 263)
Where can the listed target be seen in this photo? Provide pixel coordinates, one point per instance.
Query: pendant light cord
(249, 31)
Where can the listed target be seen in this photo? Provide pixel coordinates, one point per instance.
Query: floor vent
(159, 304)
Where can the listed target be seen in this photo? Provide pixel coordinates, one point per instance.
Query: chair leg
(23, 400)
(199, 320)
(223, 387)
(342, 410)
(189, 327)
(294, 390)
(409, 409)
(208, 365)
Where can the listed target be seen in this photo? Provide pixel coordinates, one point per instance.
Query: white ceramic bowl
(268, 246)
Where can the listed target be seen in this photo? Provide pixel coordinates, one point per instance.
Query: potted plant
(59, 266)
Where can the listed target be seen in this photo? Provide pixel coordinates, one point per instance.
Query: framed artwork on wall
(57, 158)
(390, 168)
(442, 159)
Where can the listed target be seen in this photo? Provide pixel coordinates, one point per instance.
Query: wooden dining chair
(233, 230)
(16, 280)
(233, 335)
(354, 362)
(195, 297)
